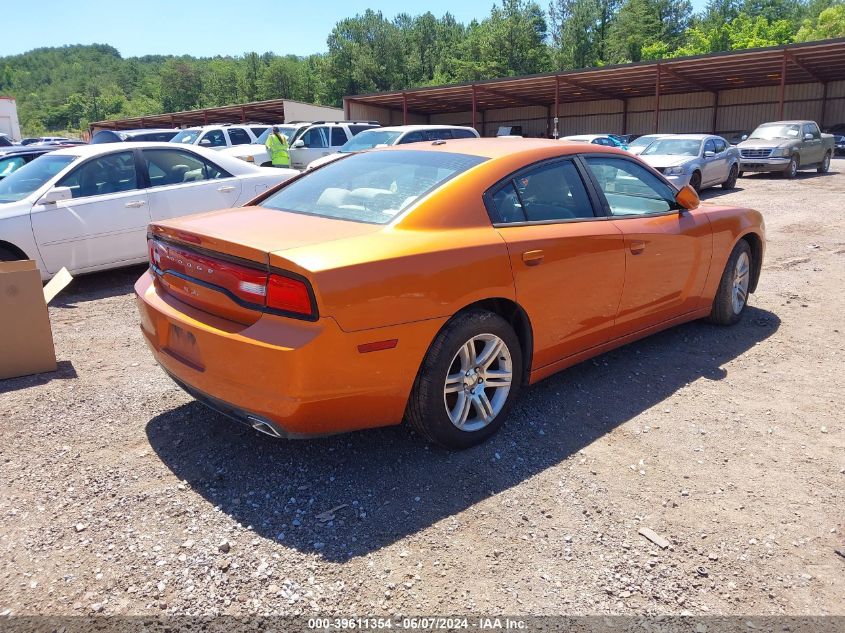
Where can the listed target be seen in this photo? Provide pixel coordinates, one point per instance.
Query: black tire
(730, 183)
(723, 311)
(824, 166)
(695, 180)
(792, 170)
(426, 412)
(741, 174)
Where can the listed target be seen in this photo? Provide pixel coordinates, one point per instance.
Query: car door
(183, 182)
(722, 159)
(568, 263)
(711, 171)
(104, 222)
(667, 250)
(315, 143)
(811, 148)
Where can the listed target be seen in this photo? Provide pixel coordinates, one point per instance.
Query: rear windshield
(187, 137)
(371, 187)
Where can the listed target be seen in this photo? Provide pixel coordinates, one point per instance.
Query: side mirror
(56, 194)
(744, 137)
(205, 142)
(687, 198)
(299, 143)
(709, 154)
(808, 137)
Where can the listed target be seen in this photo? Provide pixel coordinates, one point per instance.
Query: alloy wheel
(740, 284)
(478, 382)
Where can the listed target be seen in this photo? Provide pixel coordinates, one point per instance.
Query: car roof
(84, 151)
(143, 130)
(500, 147)
(409, 128)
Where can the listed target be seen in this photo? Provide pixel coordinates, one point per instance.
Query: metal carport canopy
(821, 62)
(272, 111)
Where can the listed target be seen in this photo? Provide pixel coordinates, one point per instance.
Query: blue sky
(207, 28)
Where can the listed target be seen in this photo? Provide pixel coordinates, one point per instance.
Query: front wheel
(695, 180)
(7, 255)
(792, 169)
(825, 165)
(467, 382)
(730, 183)
(732, 295)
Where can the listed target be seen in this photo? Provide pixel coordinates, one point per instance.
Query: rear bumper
(764, 164)
(299, 378)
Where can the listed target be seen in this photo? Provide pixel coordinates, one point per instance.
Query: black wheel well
(756, 245)
(513, 313)
(8, 246)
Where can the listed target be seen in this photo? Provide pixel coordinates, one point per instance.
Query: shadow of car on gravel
(94, 286)
(385, 484)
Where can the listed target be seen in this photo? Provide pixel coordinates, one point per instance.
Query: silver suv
(324, 138)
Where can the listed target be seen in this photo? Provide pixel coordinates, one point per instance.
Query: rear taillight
(289, 295)
(251, 287)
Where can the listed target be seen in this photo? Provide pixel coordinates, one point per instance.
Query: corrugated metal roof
(804, 63)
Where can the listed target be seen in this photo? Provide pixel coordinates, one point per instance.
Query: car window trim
(490, 207)
(603, 198)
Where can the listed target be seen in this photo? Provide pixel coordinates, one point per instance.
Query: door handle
(532, 258)
(225, 189)
(135, 204)
(637, 247)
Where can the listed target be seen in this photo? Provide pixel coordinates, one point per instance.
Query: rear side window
(111, 173)
(338, 136)
(239, 136)
(554, 191)
(371, 187)
(412, 137)
(173, 166)
(438, 134)
(629, 188)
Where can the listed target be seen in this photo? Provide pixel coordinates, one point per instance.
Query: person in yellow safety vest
(277, 145)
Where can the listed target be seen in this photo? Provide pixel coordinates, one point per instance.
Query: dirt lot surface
(122, 495)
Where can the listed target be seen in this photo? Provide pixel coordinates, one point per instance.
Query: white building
(9, 124)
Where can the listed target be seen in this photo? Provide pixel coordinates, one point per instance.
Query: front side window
(411, 137)
(458, 133)
(239, 136)
(371, 187)
(553, 191)
(213, 138)
(710, 145)
(629, 188)
(287, 132)
(32, 176)
(315, 138)
(112, 173)
(812, 129)
(258, 131)
(438, 134)
(172, 167)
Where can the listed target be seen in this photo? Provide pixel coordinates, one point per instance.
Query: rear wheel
(825, 165)
(730, 183)
(695, 180)
(467, 382)
(732, 295)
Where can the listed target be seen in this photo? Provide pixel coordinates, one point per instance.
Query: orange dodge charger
(429, 282)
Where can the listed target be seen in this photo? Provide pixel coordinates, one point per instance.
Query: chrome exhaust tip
(263, 427)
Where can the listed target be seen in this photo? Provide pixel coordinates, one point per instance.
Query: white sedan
(87, 208)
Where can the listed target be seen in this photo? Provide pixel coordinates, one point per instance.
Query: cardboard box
(26, 340)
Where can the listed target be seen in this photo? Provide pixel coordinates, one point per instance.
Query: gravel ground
(121, 495)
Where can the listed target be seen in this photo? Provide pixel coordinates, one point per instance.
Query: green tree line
(68, 87)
